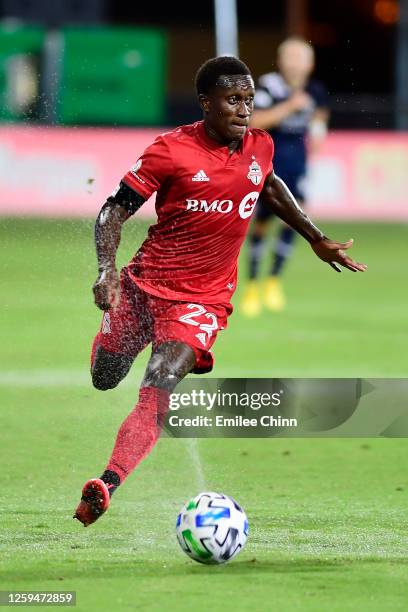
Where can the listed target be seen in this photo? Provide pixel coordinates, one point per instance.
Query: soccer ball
(212, 528)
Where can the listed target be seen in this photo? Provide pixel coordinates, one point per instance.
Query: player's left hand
(333, 253)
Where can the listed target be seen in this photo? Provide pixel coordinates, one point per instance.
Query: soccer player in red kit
(176, 291)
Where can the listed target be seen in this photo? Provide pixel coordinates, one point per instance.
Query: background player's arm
(276, 194)
(267, 118)
(318, 129)
(108, 227)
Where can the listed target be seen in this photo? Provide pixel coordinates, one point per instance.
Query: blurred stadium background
(105, 64)
(84, 87)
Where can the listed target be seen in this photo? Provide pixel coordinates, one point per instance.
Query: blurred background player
(294, 109)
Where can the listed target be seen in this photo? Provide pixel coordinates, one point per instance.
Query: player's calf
(169, 363)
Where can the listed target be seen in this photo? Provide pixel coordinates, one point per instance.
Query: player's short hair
(212, 69)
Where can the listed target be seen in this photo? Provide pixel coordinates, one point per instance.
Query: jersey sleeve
(151, 169)
(263, 98)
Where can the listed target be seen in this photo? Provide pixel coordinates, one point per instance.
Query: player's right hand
(106, 289)
(299, 101)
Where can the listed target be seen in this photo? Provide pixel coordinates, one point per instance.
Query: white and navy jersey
(289, 136)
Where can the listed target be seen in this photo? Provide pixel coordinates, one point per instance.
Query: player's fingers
(352, 265)
(335, 266)
(101, 297)
(357, 267)
(102, 303)
(98, 293)
(334, 246)
(346, 259)
(115, 297)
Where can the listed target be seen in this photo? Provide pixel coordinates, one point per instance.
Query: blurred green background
(336, 325)
(327, 517)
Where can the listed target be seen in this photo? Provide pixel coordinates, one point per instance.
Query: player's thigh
(193, 324)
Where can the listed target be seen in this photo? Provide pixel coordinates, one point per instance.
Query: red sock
(139, 431)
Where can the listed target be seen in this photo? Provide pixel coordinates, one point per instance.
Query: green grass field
(328, 517)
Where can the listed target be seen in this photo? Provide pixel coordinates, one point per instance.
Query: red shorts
(142, 318)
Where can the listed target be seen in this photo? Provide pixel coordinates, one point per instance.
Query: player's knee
(104, 382)
(168, 366)
(103, 385)
(162, 375)
(109, 369)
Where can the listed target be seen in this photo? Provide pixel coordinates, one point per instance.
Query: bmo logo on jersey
(245, 208)
(222, 206)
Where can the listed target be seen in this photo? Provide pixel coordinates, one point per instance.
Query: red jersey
(205, 199)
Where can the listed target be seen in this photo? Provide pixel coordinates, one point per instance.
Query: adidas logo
(202, 338)
(200, 176)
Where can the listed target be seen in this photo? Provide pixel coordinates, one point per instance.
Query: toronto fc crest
(255, 172)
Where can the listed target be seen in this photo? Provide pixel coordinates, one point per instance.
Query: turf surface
(327, 517)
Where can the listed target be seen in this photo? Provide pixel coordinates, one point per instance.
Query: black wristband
(127, 198)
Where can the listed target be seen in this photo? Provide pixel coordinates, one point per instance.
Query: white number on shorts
(189, 317)
(199, 310)
(208, 328)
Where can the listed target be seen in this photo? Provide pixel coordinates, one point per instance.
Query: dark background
(355, 50)
(355, 46)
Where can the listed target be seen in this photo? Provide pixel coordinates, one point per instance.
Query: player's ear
(204, 102)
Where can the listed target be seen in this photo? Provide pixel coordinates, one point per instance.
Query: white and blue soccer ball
(212, 528)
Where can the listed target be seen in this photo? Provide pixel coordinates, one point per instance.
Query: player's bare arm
(276, 194)
(108, 227)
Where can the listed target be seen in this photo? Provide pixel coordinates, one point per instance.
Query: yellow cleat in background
(251, 301)
(274, 298)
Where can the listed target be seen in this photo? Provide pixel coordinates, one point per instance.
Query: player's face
(295, 63)
(228, 108)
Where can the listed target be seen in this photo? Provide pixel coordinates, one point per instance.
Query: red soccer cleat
(94, 501)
